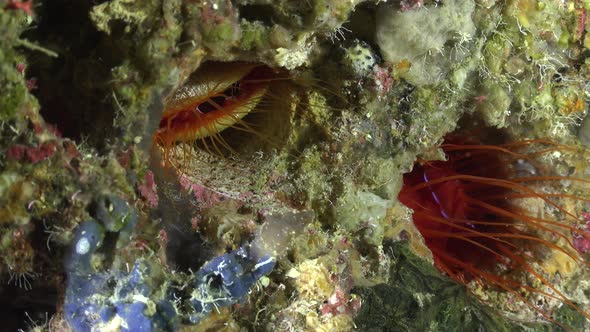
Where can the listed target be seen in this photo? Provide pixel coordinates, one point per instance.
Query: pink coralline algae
(581, 20)
(582, 239)
(341, 303)
(31, 84)
(383, 80)
(26, 6)
(201, 193)
(149, 190)
(20, 67)
(34, 154)
(411, 4)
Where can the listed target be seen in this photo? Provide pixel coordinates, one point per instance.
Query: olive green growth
(419, 298)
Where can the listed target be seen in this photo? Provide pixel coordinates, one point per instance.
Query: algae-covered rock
(427, 36)
(273, 204)
(418, 298)
(584, 131)
(363, 213)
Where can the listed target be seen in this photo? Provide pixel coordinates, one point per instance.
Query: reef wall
(287, 218)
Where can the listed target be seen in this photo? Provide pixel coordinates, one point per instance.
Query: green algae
(418, 298)
(255, 36)
(14, 94)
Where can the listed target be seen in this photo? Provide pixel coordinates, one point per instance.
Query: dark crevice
(72, 87)
(260, 13)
